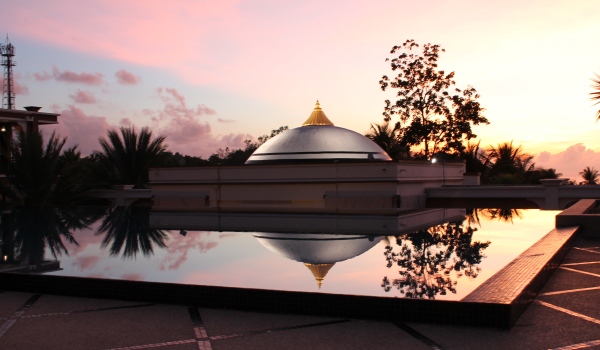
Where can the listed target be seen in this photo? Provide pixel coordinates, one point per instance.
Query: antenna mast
(7, 50)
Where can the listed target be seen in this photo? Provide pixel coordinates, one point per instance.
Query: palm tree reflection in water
(128, 229)
(33, 229)
(500, 214)
(427, 259)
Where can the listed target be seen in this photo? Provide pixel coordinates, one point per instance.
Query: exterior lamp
(3, 129)
(433, 160)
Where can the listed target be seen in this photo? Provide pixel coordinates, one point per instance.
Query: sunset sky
(209, 74)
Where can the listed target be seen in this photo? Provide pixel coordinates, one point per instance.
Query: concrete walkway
(564, 315)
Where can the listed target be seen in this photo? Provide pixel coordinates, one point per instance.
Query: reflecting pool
(441, 254)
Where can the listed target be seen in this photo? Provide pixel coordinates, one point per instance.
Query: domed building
(315, 168)
(318, 141)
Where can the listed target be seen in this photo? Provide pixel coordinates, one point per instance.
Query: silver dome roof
(318, 141)
(317, 248)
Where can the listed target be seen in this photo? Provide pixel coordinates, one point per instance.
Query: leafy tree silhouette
(434, 113)
(428, 257)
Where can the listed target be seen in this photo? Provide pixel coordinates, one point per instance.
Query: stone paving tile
(588, 242)
(588, 267)
(538, 328)
(578, 302)
(577, 256)
(567, 280)
(219, 322)
(11, 302)
(350, 335)
(55, 303)
(99, 330)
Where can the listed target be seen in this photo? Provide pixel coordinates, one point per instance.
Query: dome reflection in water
(318, 252)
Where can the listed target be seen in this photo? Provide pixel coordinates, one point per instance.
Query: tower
(7, 50)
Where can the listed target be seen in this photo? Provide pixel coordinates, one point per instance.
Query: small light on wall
(3, 129)
(5, 257)
(434, 160)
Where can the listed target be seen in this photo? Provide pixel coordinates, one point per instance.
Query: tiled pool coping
(497, 303)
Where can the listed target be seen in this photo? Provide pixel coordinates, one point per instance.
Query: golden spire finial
(319, 271)
(317, 117)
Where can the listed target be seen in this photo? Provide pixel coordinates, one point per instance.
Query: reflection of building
(314, 168)
(318, 252)
(318, 241)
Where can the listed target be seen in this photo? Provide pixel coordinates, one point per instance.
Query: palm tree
(590, 176)
(474, 158)
(596, 94)
(126, 157)
(38, 174)
(389, 140)
(507, 161)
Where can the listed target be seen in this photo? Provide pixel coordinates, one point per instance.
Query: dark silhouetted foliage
(430, 260)
(595, 95)
(433, 113)
(126, 156)
(240, 156)
(590, 176)
(389, 140)
(39, 174)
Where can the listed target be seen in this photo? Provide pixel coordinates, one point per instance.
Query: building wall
(336, 188)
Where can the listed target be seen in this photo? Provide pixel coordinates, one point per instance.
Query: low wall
(363, 188)
(578, 215)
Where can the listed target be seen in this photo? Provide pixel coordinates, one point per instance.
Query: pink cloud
(126, 122)
(42, 76)
(68, 76)
(179, 246)
(221, 120)
(20, 89)
(80, 129)
(570, 161)
(83, 97)
(86, 262)
(84, 238)
(140, 39)
(126, 78)
(186, 131)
